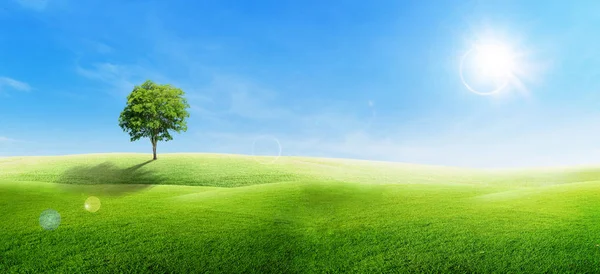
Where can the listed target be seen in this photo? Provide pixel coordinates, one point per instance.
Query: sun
(494, 60)
(489, 67)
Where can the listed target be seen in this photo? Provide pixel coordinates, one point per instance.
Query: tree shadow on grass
(108, 179)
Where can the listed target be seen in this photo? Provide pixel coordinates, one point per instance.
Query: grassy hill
(229, 213)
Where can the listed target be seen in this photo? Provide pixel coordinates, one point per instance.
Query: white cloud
(37, 5)
(223, 97)
(110, 74)
(560, 144)
(121, 78)
(247, 99)
(103, 48)
(227, 97)
(97, 46)
(565, 143)
(344, 132)
(13, 84)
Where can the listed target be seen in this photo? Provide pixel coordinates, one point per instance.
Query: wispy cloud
(4, 139)
(213, 93)
(220, 98)
(565, 143)
(38, 5)
(98, 47)
(13, 84)
(223, 96)
(237, 96)
(228, 97)
(120, 78)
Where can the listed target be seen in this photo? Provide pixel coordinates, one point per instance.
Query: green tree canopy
(152, 110)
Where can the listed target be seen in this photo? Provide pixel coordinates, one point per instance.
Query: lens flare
(92, 204)
(49, 219)
(492, 63)
(266, 149)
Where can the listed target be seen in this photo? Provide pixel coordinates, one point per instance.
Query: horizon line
(524, 168)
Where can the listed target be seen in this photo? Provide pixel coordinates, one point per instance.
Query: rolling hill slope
(230, 213)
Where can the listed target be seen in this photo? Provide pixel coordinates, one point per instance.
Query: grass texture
(210, 213)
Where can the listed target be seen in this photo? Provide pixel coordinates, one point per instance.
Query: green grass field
(197, 213)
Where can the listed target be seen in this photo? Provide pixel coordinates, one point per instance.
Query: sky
(376, 80)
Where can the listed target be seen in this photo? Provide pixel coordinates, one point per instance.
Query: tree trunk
(153, 140)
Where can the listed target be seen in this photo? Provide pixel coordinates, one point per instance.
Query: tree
(152, 110)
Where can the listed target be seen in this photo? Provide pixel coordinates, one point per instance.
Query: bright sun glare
(492, 63)
(494, 60)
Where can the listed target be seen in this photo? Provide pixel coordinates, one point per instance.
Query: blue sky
(372, 80)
